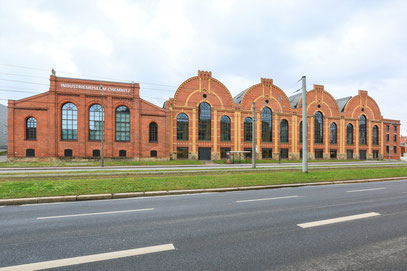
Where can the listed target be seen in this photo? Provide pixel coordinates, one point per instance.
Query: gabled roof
(295, 99)
(342, 102)
(238, 98)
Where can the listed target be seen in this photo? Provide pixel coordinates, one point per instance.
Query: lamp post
(254, 136)
(103, 130)
(304, 127)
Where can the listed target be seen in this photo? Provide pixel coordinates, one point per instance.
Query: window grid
(225, 128)
(362, 130)
(31, 128)
(96, 122)
(284, 131)
(301, 132)
(375, 137)
(349, 134)
(319, 128)
(204, 122)
(266, 125)
(248, 126)
(69, 122)
(153, 132)
(333, 135)
(122, 123)
(182, 127)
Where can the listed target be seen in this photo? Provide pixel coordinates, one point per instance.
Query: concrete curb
(19, 201)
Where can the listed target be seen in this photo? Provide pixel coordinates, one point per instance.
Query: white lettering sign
(92, 87)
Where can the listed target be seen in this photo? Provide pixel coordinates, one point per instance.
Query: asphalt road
(356, 227)
(203, 167)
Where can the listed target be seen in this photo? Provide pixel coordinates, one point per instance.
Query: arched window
(349, 134)
(122, 123)
(153, 132)
(284, 131)
(69, 122)
(375, 138)
(301, 132)
(31, 129)
(319, 127)
(333, 134)
(362, 130)
(96, 122)
(266, 125)
(248, 126)
(204, 122)
(225, 128)
(182, 126)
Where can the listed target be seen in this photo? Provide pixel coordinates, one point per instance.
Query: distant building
(403, 144)
(202, 121)
(3, 126)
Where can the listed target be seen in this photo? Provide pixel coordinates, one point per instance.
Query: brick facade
(46, 108)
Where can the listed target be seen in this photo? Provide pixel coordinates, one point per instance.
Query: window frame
(69, 122)
(182, 127)
(225, 128)
(284, 131)
(266, 125)
(153, 132)
(204, 122)
(318, 128)
(31, 128)
(94, 117)
(122, 124)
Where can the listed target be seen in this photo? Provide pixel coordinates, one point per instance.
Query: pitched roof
(295, 99)
(342, 102)
(238, 98)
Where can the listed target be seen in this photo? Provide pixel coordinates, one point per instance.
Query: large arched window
(375, 139)
(362, 130)
(266, 125)
(153, 132)
(69, 122)
(182, 126)
(225, 128)
(319, 127)
(301, 132)
(333, 134)
(204, 122)
(122, 123)
(349, 134)
(96, 122)
(31, 129)
(284, 131)
(248, 126)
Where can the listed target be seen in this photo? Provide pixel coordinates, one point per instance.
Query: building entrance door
(204, 153)
(362, 155)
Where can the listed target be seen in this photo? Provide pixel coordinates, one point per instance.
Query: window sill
(69, 140)
(30, 139)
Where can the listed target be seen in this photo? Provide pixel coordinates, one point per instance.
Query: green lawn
(62, 163)
(284, 161)
(115, 184)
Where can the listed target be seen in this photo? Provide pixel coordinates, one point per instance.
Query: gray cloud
(344, 45)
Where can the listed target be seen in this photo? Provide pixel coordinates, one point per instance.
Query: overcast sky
(343, 45)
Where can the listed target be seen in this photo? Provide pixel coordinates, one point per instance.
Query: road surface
(336, 227)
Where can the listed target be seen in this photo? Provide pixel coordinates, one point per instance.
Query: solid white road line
(101, 213)
(336, 220)
(249, 200)
(369, 189)
(89, 258)
(41, 204)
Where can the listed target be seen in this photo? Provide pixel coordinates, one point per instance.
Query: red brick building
(202, 121)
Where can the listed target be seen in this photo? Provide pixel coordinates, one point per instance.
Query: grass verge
(62, 163)
(285, 161)
(109, 184)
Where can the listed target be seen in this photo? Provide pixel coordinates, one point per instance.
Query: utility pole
(103, 129)
(254, 136)
(304, 127)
